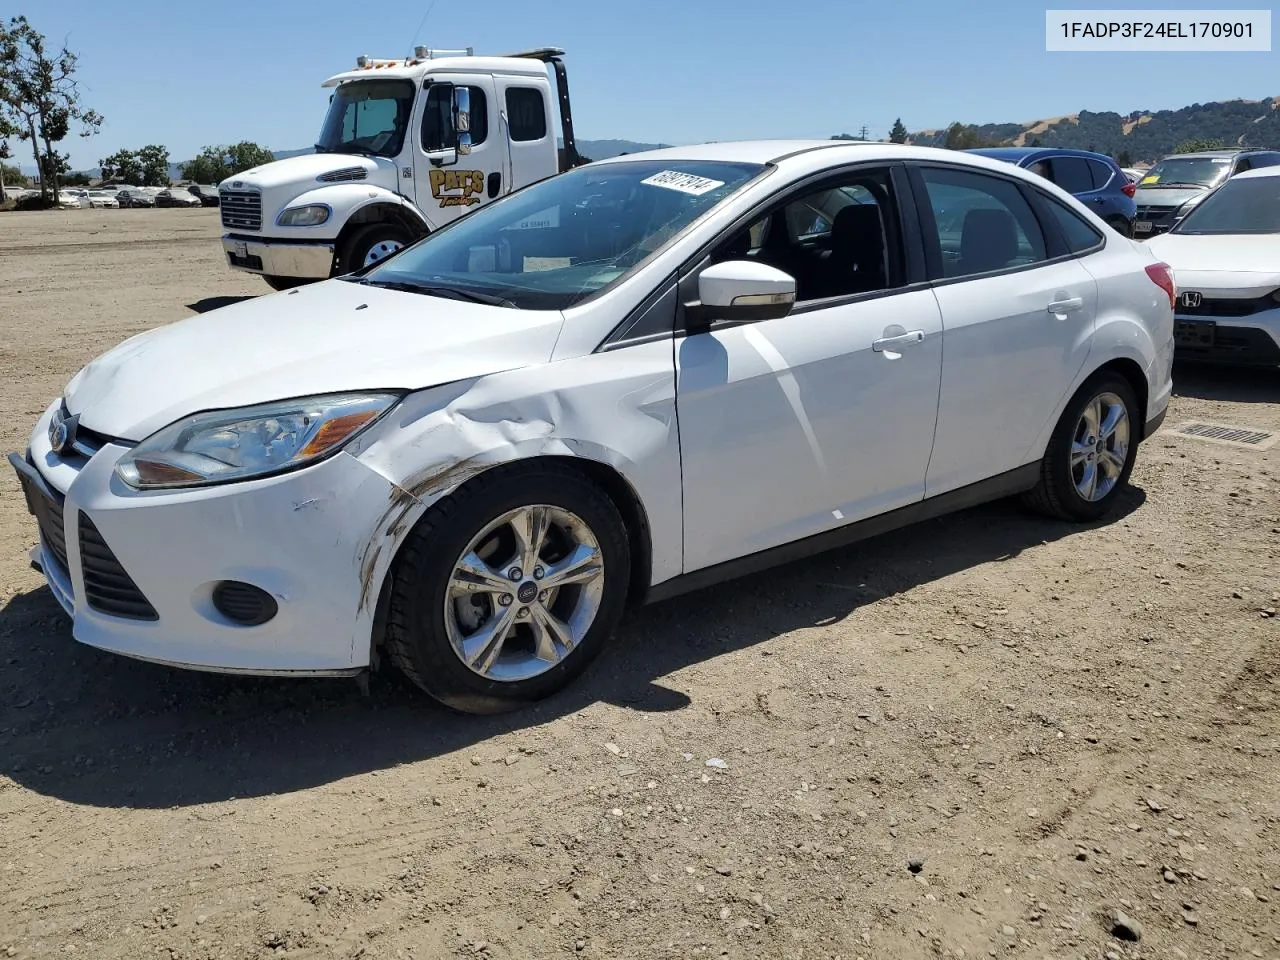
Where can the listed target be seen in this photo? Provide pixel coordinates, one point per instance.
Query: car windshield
(1187, 172)
(367, 117)
(563, 239)
(1241, 205)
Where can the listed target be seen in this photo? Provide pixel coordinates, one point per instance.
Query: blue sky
(186, 75)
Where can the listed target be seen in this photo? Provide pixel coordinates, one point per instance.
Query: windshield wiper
(449, 293)
(1180, 183)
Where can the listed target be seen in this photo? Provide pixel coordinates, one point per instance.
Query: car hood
(1166, 196)
(306, 167)
(1243, 265)
(328, 337)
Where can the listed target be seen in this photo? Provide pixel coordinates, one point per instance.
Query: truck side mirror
(462, 119)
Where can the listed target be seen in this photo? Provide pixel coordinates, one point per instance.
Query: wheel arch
(383, 211)
(1133, 374)
(609, 478)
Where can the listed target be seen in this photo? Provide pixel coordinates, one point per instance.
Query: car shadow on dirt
(92, 728)
(215, 303)
(1233, 384)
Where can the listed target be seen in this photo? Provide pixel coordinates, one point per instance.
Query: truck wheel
(371, 244)
(286, 283)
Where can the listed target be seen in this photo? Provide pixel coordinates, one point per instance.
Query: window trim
(1040, 201)
(1055, 245)
(686, 274)
(506, 103)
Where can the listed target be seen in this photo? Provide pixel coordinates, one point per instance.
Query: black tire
(416, 640)
(286, 283)
(1055, 494)
(353, 253)
(1121, 226)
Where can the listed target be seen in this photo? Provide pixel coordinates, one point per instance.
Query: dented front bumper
(302, 537)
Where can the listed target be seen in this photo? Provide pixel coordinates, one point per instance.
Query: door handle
(893, 344)
(1060, 307)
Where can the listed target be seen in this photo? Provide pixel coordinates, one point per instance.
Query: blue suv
(1094, 178)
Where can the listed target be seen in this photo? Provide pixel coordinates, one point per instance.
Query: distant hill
(1146, 135)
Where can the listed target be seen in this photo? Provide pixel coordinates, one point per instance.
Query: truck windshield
(368, 117)
(1244, 205)
(559, 241)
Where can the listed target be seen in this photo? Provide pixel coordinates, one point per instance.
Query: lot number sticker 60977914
(684, 182)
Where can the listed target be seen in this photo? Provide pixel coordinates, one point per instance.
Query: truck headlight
(310, 215)
(250, 442)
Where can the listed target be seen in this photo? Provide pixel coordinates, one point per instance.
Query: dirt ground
(978, 737)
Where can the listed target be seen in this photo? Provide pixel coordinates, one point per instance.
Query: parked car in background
(208, 195)
(1093, 178)
(135, 197)
(103, 198)
(637, 378)
(1133, 173)
(176, 197)
(70, 201)
(1169, 190)
(1225, 254)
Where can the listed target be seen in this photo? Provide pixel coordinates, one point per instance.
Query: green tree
(1194, 146)
(77, 179)
(41, 99)
(123, 165)
(1036, 142)
(1123, 159)
(215, 164)
(844, 136)
(961, 137)
(154, 160)
(898, 134)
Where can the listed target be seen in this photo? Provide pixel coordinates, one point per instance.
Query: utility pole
(862, 134)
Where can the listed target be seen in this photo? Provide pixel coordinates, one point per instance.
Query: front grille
(1155, 214)
(53, 528)
(1215, 307)
(241, 209)
(107, 586)
(345, 175)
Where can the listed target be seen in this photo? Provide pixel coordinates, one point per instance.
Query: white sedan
(631, 380)
(1226, 254)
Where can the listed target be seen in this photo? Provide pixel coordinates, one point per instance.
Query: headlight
(311, 215)
(251, 442)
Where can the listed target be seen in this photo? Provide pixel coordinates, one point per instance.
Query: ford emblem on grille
(62, 432)
(1191, 299)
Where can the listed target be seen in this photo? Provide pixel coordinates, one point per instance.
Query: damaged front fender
(615, 409)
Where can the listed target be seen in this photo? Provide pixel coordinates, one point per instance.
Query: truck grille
(241, 209)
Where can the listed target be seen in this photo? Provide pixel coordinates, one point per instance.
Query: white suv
(627, 381)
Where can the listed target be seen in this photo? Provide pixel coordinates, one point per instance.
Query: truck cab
(407, 146)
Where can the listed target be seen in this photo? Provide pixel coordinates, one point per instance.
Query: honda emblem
(1191, 299)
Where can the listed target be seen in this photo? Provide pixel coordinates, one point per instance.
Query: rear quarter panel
(1134, 322)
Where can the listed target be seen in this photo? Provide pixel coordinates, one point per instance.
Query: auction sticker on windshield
(684, 182)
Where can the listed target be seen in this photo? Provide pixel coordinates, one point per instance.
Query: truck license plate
(242, 248)
(1142, 226)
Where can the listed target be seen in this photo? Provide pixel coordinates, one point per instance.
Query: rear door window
(1072, 174)
(1102, 173)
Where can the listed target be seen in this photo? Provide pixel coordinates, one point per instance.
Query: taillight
(1129, 189)
(1162, 276)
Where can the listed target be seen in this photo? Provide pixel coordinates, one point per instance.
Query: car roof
(809, 152)
(1208, 153)
(1258, 172)
(1014, 154)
